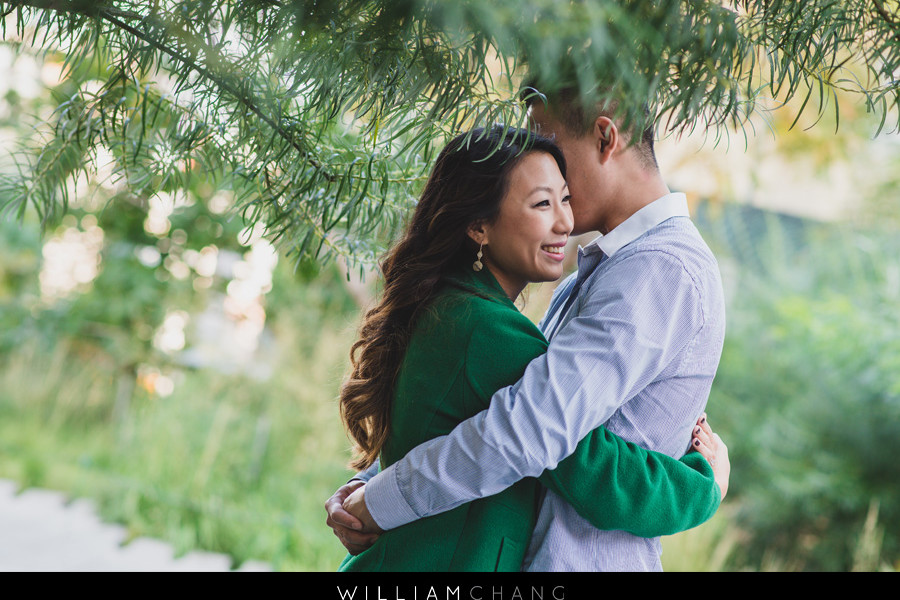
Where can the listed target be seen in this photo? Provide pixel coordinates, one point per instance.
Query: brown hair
(466, 186)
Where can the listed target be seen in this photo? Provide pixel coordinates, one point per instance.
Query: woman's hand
(714, 450)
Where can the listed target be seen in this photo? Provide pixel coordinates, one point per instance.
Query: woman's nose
(564, 220)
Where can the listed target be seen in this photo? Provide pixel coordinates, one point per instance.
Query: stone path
(41, 531)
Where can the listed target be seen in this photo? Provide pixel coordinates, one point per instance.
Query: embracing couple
(486, 443)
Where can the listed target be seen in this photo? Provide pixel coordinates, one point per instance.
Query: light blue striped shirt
(636, 348)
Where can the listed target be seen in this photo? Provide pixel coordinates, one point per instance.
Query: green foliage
(323, 117)
(704, 549)
(809, 391)
(222, 462)
(226, 462)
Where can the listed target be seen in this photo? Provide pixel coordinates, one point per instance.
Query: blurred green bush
(225, 461)
(808, 393)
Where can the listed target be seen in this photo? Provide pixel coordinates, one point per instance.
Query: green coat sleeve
(612, 483)
(616, 484)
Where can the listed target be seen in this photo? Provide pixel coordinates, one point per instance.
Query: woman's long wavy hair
(466, 186)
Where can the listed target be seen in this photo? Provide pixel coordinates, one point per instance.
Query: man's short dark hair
(566, 106)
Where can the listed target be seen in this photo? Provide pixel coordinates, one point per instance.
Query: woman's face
(526, 243)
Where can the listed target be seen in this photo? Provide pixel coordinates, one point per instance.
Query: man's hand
(347, 527)
(355, 504)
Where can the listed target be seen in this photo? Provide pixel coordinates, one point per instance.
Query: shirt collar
(648, 217)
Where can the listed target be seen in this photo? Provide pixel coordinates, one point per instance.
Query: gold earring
(477, 266)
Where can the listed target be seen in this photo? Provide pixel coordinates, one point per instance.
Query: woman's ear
(607, 137)
(478, 232)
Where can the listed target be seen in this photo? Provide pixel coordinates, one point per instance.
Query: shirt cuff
(385, 501)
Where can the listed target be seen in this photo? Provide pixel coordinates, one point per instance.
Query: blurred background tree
(157, 353)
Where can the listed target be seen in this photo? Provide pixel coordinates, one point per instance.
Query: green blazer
(470, 342)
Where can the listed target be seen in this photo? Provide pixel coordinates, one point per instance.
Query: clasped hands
(349, 517)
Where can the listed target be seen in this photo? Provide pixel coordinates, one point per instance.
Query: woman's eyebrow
(546, 188)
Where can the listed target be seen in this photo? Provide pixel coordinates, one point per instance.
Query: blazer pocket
(510, 556)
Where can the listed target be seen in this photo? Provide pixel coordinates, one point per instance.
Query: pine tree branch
(84, 8)
(322, 112)
(118, 17)
(206, 73)
(890, 19)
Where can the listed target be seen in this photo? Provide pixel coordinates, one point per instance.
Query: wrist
(385, 501)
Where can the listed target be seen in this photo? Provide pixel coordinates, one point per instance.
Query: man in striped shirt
(635, 339)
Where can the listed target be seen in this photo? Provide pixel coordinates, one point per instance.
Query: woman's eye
(567, 198)
(542, 203)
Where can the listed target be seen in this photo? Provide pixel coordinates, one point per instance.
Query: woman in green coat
(446, 335)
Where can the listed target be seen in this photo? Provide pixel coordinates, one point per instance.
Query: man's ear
(607, 137)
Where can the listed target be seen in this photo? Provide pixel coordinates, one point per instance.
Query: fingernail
(696, 430)
(703, 419)
(696, 442)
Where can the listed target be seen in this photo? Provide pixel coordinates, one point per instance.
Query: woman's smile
(555, 252)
